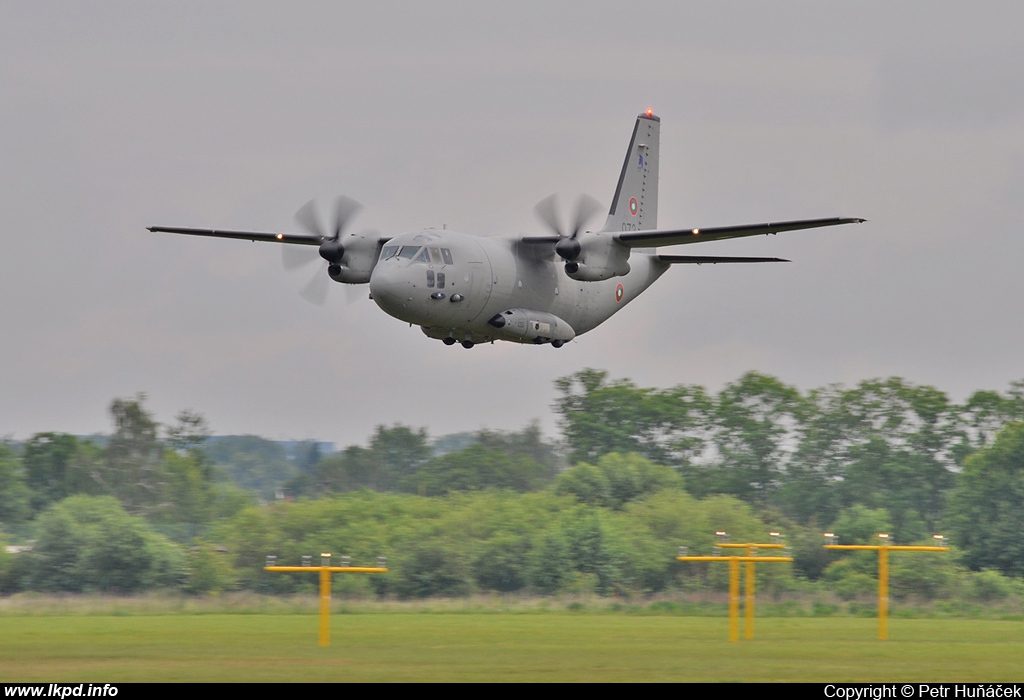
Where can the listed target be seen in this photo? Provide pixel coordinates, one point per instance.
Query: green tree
(810, 492)
(548, 562)
(352, 469)
(307, 455)
(132, 457)
(759, 420)
(901, 452)
(861, 525)
(984, 414)
(58, 465)
(598, 417)
(587, 545)
(255, 464)
(15, 496)
(616, 480)
(208, 570)
(586, 483)
(89, 543)
(188, 474)
(500, 563)
(476, 468)
(882, 444)
(189, 432)
(988, 502)
(400, 452)
(432, 569)
(188, 489)
(528, 442)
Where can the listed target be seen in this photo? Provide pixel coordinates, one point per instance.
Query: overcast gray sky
(117, 116)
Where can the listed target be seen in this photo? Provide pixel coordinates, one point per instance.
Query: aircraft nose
(389, 289)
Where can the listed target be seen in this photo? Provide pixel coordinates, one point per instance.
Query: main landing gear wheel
(467, 344)
(556, 343)
(448, 341)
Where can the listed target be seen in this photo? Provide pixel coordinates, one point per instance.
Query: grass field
(552, 646)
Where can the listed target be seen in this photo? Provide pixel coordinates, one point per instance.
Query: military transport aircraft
(467, 289)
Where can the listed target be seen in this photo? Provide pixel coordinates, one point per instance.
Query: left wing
(645, 239)
(297, 238)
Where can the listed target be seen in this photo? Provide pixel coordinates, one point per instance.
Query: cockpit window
(417, 253)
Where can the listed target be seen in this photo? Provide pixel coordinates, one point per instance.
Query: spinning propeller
(568, 247)
(331, 248)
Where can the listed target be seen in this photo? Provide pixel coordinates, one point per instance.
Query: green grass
(467, 646)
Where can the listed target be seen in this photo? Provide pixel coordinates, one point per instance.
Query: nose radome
(389, 289)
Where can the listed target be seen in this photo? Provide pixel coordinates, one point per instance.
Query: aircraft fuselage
(453, 285)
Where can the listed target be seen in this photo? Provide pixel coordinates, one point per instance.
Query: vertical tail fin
(635, 204)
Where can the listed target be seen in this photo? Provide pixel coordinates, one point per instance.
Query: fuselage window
(446, 255)
(409, 251)
(430, 278)
(435, 255)
(389, 252)
(440, 280)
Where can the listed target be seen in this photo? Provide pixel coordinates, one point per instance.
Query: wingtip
(150, 228)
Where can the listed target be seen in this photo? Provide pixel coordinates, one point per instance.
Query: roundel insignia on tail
(632, 206)
(619, 291)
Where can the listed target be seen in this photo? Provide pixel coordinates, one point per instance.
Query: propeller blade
(316, 291)
(344, 208)
(330, 249)
(295, 256)
(585, 209)
(547, 211)
(307, 218)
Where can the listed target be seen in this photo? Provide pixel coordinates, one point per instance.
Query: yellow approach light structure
(325, 569)
(751, 558)
(883, 550)
(751, 551)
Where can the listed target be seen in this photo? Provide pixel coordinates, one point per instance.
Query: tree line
(637, 472)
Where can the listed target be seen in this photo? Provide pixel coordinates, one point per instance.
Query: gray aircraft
(467, 289)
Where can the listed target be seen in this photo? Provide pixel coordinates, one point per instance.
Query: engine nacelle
(361, 254)
(525, 325)
(600, 258)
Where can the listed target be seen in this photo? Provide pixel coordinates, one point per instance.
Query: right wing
(711, 259)
(644, 239)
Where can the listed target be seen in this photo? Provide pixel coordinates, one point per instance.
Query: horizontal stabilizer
(644, 239)
(711, 259)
